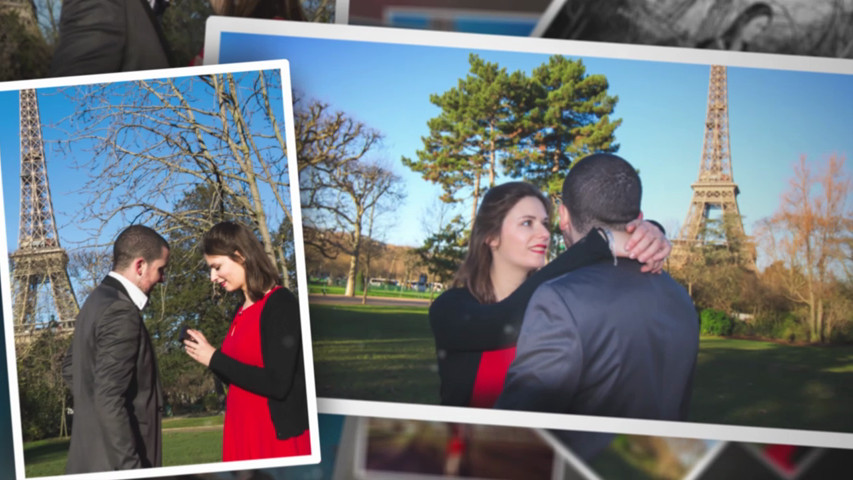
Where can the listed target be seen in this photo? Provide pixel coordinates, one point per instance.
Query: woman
(476, 324)
(266, 411)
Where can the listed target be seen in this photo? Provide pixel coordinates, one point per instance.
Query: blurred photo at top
(54, 38)
(797, 27)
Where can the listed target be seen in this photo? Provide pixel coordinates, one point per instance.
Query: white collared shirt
(137, 296)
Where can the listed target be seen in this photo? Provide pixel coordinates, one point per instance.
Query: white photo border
(216, 26)
(302, 280)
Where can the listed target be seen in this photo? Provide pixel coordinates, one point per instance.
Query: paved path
(320, 299)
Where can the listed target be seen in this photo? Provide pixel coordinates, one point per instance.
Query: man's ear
(565, 219)
(137, 265)
(641, 215)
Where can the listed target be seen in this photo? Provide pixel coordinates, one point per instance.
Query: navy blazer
(606, 340)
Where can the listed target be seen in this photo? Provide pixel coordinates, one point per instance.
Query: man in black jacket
(110, 365)
(104, 36)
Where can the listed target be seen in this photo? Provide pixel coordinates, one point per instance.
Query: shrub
(790, 329)
(715, 322)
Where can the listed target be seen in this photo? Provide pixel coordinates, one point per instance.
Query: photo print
(154, 292)
(732, 149)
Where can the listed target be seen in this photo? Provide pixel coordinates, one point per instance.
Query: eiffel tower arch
(715, 189)
(39, 259)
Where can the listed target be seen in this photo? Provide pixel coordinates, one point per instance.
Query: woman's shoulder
(280, 298)
(450, 301)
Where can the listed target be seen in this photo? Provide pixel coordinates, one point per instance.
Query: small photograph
(502, 17)
(54, 38)
(652, 458)
(787, 461)
(157, 319)
(397, 448)
(822, 28)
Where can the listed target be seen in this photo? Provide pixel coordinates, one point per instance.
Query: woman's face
(524, 238)
(226, 273)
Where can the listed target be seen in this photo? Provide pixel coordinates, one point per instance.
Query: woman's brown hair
(474, 274)
(238, 243)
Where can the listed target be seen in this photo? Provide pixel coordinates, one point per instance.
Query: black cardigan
(282, 379)
(464, 328)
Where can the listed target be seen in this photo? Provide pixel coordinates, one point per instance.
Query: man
(110, 365)
(605, 339)
(105, 36)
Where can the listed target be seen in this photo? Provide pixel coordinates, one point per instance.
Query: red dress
(248, 432)
(491, 374)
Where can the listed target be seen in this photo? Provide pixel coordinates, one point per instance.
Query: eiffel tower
(715, 187)
(39, 258)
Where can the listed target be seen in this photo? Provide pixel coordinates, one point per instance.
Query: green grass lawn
(747, 382)
(368, 352)
(388, 354)
(186, 441)
(374, 292)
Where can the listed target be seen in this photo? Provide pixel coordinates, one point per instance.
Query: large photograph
(407, 138)
(157, 319)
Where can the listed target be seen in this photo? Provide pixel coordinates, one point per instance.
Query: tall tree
(153, 140)
(566, 117)
(469, 136)
(443, 250)
(342, 195)
(808, 234)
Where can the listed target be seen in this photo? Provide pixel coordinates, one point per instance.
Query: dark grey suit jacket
(103, 36)
(113, 376)
(606, 340)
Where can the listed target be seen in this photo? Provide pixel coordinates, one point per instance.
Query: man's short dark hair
(137, 241)
(602, 190)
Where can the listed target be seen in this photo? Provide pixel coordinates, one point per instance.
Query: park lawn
(746, 382)
(366, 352)
(374, 292)
(387, 354)
(190, 442)
(183, 422)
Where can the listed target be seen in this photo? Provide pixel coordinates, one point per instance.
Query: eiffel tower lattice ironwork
(39, 259)
(715, 188)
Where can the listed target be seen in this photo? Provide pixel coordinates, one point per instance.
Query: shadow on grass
(764, 384)
(388, 354)
(374, 353)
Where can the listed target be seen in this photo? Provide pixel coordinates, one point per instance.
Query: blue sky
(65, 179)
(774, 116)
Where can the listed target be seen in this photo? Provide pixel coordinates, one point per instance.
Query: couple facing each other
(111, 364)
(591, 332)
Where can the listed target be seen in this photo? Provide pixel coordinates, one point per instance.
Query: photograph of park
(187, 160)
(388, 199)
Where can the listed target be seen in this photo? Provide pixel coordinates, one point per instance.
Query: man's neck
(137, 296)
(619, 239)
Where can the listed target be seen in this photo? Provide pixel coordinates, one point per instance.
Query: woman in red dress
(266, 413)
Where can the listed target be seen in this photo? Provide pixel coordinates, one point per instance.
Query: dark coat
(104, 36)
(606, 340)
(113, 376)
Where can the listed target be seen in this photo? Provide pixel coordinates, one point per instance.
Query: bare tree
(808, 235)
(154, 140)
(87, 267)
(343, 193)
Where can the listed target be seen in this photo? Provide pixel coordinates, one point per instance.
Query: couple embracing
(600, 330)
(111, 365)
